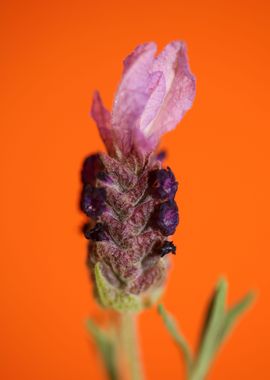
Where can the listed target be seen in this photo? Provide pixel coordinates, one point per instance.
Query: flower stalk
(130, 346)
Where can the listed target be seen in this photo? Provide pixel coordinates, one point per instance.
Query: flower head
(126, 192)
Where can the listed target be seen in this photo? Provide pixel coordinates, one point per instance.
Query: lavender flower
(126, 191)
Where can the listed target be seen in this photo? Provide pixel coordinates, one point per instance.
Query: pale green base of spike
(118, 299)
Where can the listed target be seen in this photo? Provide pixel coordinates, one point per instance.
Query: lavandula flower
(126, 192)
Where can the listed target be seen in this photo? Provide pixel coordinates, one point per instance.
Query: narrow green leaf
(106, 347)
(214, 319)
(233, 315)
(214, 313)
(176, 335)
(218, 324)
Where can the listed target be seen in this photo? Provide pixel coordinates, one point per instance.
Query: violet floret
(166, 217)
(93, 201)
(91, 167)
(163, 184)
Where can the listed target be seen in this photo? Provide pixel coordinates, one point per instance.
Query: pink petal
(132, 95)
(157, 94)
(180, 91)
(152, 98)
(157, 91)
(102, 118)
(166, 61)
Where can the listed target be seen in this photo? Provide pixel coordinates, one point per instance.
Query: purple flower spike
(93, 201)
(166, 217)
(126, 190)
(163, 184)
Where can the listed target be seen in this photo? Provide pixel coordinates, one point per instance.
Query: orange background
(53, 55)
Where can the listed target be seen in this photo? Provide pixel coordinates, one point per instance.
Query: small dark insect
(167, 247)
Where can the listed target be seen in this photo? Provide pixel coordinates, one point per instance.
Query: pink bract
(153, 96)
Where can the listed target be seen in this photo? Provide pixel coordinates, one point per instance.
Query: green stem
(130, 346)
(198, 372)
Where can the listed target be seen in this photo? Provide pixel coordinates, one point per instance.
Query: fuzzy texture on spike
(130, 227)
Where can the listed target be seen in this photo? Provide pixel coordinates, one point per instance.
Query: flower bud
(93, 201)
(166, 217)
(163, 184)
(91, 166)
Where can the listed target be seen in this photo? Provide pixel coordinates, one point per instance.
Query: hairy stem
(130, 346)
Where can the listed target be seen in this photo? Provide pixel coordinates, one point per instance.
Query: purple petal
(132, 95)
(102, 118)
(180, 91)
(157, 89)
(152, 98)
